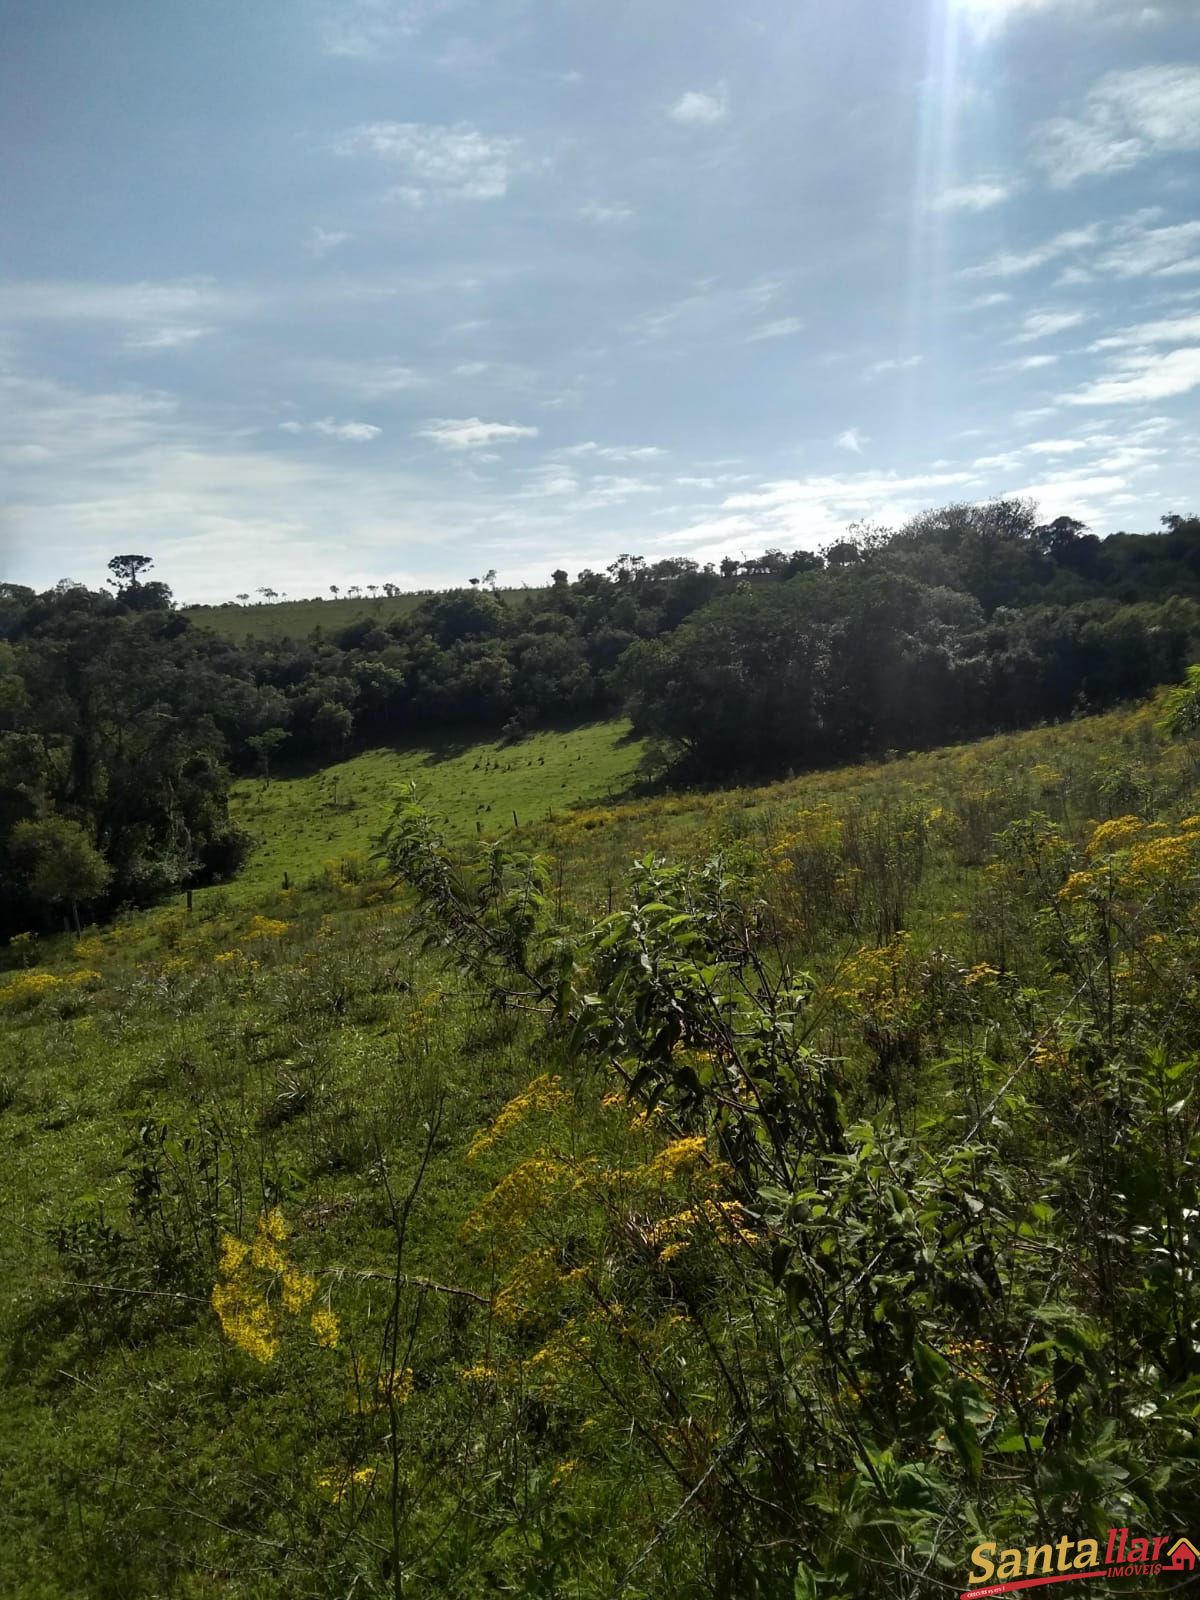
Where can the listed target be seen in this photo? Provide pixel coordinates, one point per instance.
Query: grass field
(296, 619)
(301, 822)
(224, 1130)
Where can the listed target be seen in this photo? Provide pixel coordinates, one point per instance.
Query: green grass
(297, 1063)
(1054, 769)
(300, 822)
(297, 619)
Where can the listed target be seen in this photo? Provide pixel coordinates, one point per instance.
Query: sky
(305, 292)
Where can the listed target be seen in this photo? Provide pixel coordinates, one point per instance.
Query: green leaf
(1013, 1442)
(931, 1367)
(804, 1583)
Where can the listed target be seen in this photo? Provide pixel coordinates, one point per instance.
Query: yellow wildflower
(479, 1373)
(339, 1484)
(559, 1357)
(246, 1318)
(1077, 885)
(1161, 858)
(543, 1094)
(326, 1328)
(1115, 834)
(27, 989)
(681, 1155)
(233, 1252)
(518, 1196)
(298, 1290)
(242, 1295)
(266, 1254)
(530, 1284)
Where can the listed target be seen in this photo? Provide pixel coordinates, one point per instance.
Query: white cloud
(984, 301)
(990, 16)
(615, 452)
(165, 338)
(549, 480)
(610, 490)
(981, 195)
(1141, 376)
(878, 369)
(347, 432)
(1043, 324)
(320, 241)
(1156, 252)
(601, 212)
(456, 162)
(554, 480)
(154, 316)
(698, 107)
(470, 433)
(1127, 247)
(805, 511)
(781, 328)
(634, 452)
(41, 418)
(368, 380)
(757, 295)
(1056, 447)
(1127, 118)
(852, 439)
(1071, 494)
(856, 493)
(351, 432)
(1031, 363)
(1167, 330)
(26, 455)
(134, 303)
(709, 304)
(364, 29)
(1014, 263)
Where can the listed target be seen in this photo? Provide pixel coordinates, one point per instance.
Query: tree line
(121, 721)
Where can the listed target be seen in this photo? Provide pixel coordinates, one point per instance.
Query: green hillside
(300, 822)
(297, 619)
(333, 1256)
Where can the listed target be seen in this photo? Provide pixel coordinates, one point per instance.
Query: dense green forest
(121, 721)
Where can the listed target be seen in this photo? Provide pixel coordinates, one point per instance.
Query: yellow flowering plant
(258, 1287)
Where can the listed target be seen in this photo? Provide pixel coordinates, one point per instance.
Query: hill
(298, 619)
(126, 721)
(301, 821)
(435, 1232)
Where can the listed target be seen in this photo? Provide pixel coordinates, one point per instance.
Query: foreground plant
(957, 1296)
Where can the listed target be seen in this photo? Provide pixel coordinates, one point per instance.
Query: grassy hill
(333, 1269)
(296, 619)
(300, 822)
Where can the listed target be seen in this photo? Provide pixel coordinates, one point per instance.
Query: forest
(121, 721)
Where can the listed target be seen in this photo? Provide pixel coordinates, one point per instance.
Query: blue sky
(303, 292)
